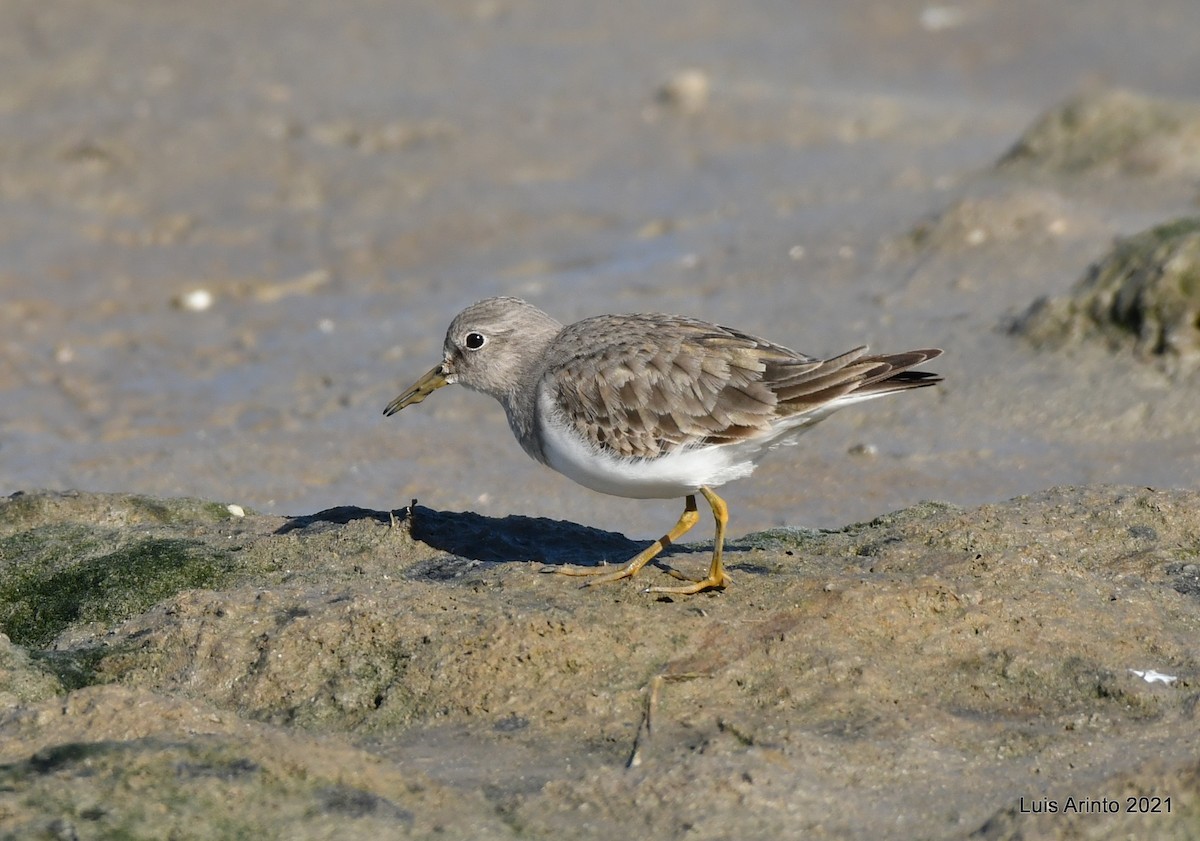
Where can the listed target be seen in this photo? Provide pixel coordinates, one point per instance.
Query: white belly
(666, 477)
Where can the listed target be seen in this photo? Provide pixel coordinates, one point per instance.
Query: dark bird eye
(474, 341)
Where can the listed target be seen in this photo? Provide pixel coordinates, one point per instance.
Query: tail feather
(893, 374)
(852, 377)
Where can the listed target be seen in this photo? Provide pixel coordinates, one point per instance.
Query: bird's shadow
(490, 539)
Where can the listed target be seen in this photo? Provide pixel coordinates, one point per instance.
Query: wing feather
(645, 385)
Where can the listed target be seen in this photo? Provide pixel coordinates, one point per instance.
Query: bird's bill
(434, 379)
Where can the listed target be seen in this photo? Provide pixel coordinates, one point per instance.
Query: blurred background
(231, 232)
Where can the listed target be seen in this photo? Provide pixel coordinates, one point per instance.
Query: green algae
(60, 576)
(1144, 293)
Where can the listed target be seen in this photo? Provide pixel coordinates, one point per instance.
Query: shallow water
(343, 178)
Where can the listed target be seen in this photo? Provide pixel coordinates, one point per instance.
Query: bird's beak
(434, 379)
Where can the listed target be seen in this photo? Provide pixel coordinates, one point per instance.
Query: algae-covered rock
(1144, 294)
(67, 559)
(22, 510)
(355, 674)
(22, 680)
(1111, 132)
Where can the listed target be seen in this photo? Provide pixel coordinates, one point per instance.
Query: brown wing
(644, 385)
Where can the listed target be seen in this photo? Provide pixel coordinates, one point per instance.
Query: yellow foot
(716, 579)
(602, 575)
(692, 587)
(599, 575)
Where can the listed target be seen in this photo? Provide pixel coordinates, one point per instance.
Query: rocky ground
(173, 669)
(230, 233)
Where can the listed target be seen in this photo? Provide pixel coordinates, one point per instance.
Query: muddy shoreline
(229, 233)
(923, 674)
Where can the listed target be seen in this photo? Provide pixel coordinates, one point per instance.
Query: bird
(651, 405)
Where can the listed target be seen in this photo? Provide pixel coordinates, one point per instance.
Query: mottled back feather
(646, 385)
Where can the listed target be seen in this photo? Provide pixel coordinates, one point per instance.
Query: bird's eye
(474, 341)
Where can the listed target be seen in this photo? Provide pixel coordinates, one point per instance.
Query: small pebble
(940, 18)
(236, 510)
(197, 300)
(687, 90)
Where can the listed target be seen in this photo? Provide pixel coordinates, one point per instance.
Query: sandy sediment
(932, 673)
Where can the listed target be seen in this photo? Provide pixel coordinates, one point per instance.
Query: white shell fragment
(1151, 676)
(197, 300)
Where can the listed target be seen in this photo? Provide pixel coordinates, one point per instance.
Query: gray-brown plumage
(652, 406)
(645, 385)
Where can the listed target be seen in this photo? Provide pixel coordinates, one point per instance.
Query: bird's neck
(520, 404)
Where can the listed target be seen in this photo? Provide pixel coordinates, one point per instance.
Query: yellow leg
(687, 519)
(716, 579)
